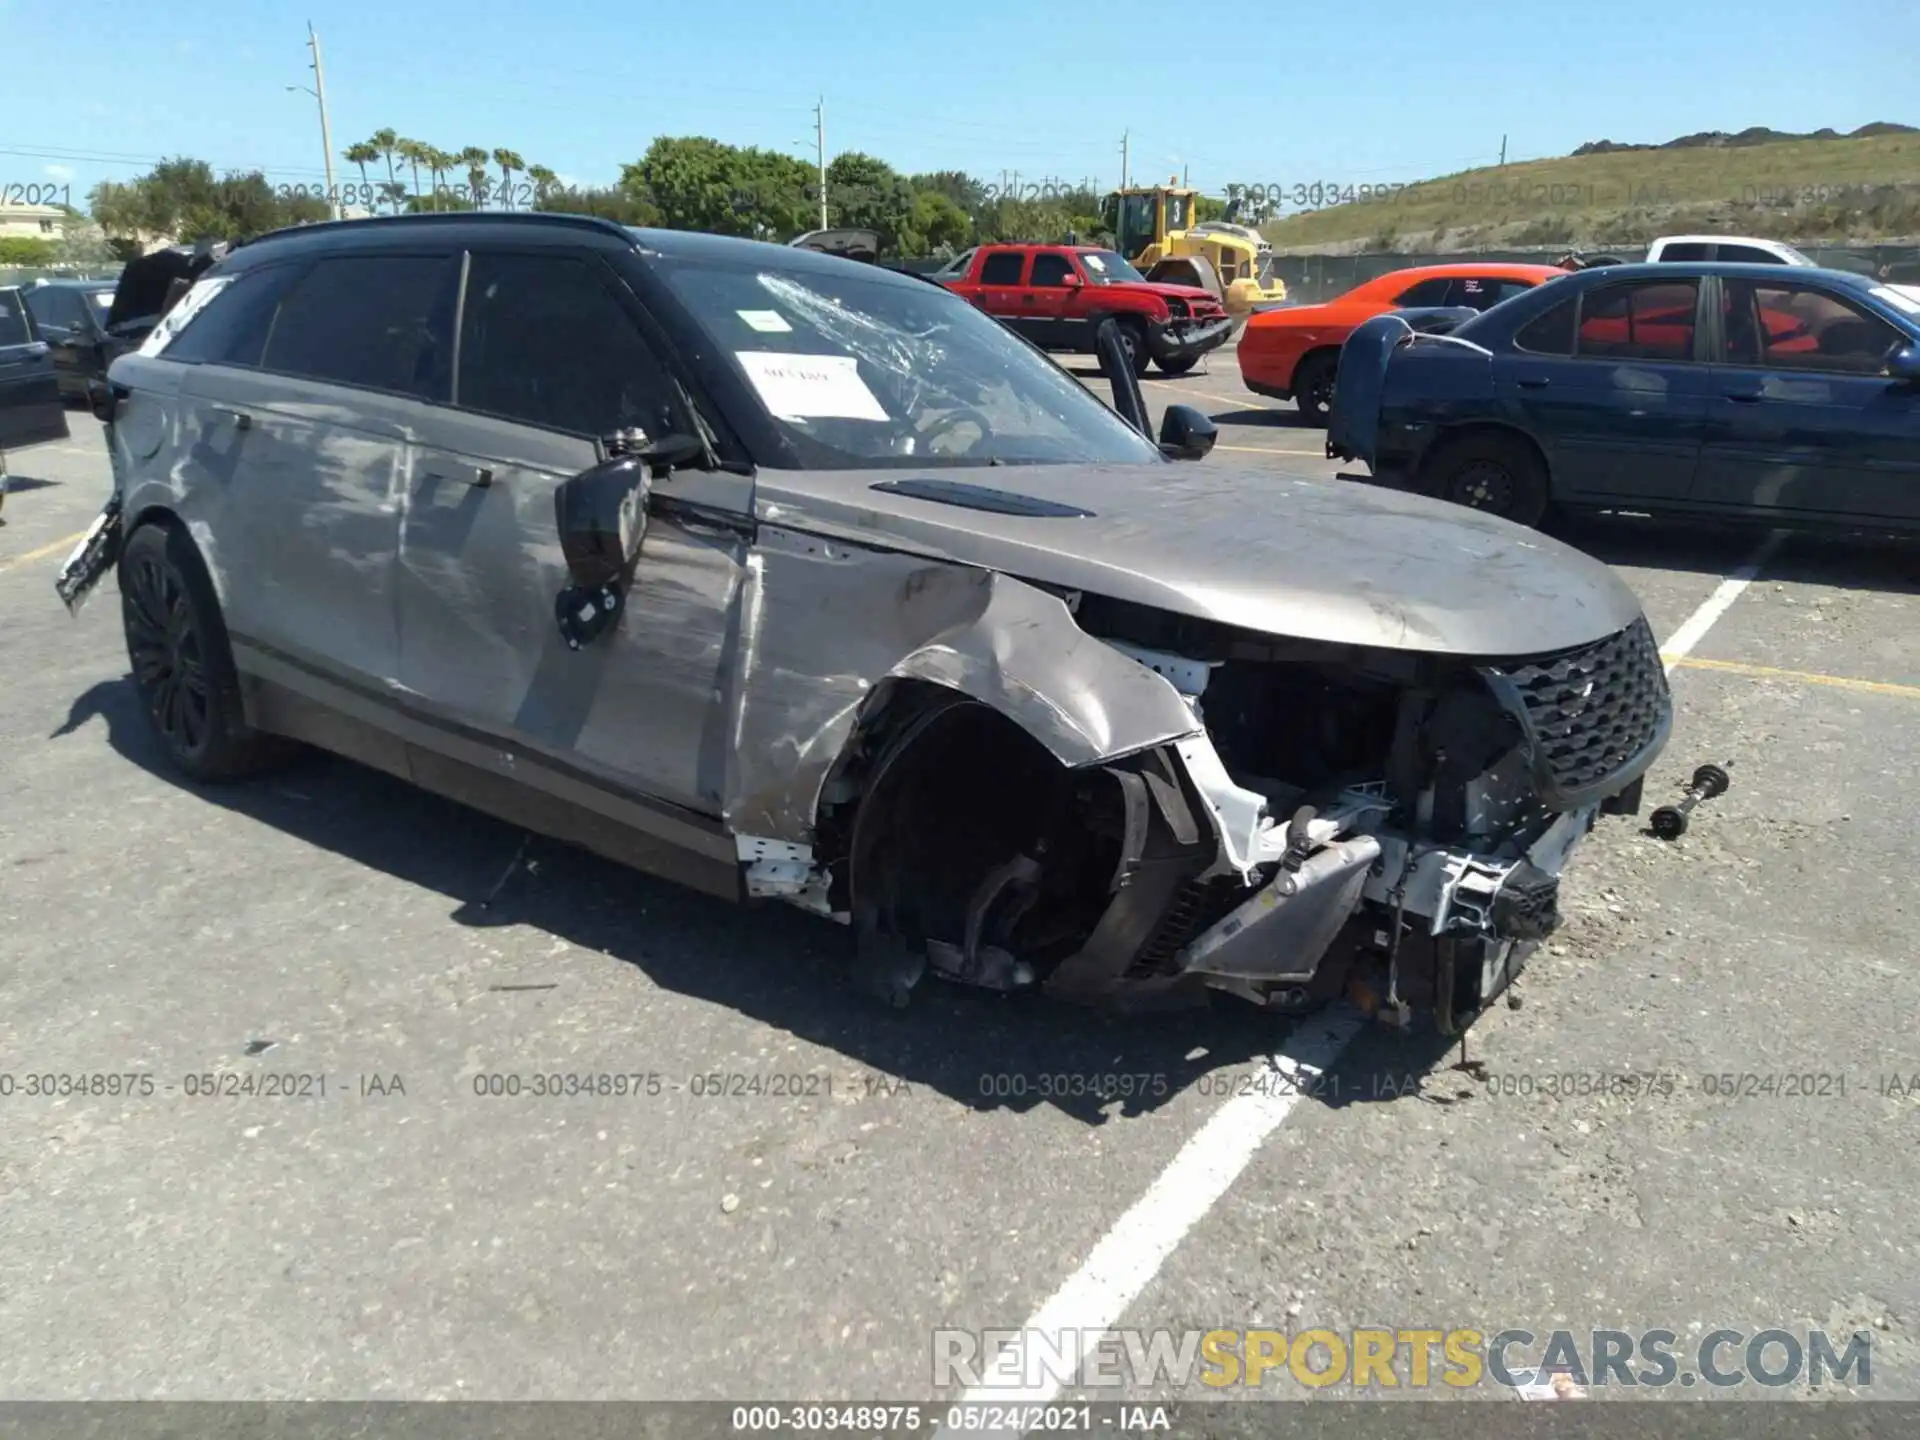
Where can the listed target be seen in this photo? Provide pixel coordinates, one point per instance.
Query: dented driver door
(549, 360)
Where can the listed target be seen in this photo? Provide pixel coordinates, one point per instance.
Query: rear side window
(56, 309)
(1639, 320)
(1748, 255)
(1003, 268)
(544, 340)
(381, 322)
(1426, 292)
(231, 329)
(1548, 334)
(1483, 292)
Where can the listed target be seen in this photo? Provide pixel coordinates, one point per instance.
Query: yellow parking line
(45, 550)
(1805, 677)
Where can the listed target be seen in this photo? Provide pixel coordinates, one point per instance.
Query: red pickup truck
(1057, 295)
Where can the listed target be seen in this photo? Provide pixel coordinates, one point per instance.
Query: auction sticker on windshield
(769, 322)
(811, 387)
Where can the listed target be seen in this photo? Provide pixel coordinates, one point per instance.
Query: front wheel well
(938, 803)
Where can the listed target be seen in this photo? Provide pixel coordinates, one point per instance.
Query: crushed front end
(1379, 825)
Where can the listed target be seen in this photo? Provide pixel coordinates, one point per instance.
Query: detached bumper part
(1181, 340)
(92, 558)
(1283, 929)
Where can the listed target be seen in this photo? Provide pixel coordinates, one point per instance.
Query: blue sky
(1359, 92)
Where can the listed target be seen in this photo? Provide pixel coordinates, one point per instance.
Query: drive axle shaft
(1669, 822)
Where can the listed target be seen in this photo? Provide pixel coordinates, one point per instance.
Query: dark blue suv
(1786, 394)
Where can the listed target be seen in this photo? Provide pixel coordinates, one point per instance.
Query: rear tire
(1498, 474)
(1177, 368)
(1313, 385)
(183, 666)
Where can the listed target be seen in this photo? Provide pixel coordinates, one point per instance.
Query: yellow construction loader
(1154, 227)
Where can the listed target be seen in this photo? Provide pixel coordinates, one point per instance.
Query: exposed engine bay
(1383, 825)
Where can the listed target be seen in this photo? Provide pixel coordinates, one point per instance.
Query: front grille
(1176, 307)
(1594, 717)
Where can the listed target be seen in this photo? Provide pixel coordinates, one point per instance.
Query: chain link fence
(1313, 278)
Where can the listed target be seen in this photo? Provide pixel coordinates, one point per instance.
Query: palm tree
(438, 162)
(394, 193)
(413, 152)
(508, 162)
(544, 184)
(475, 159)
(384, 143)
(363, 155)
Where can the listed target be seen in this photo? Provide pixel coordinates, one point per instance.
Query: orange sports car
(1290, 353)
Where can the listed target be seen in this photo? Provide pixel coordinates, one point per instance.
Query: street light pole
(326, 133)
(820, 142)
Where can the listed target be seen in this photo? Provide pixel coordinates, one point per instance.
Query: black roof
(1726, 269)
(471, 226)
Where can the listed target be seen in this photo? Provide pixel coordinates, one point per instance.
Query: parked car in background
(792, 578)
(31, 412)
(1292, 353)
(1057, 296)
(72, 316)
(1785, 394)
(1741, 249)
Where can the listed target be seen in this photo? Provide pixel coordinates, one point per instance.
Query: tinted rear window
(378, 321)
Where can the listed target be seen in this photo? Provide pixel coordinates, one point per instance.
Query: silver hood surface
(1330, 560)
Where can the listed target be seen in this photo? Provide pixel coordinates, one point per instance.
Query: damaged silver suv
(786, 576)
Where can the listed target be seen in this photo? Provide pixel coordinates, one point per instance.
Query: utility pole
(820, 143)
(326, 133)
(1185, 172)
(1123, 158)
(1503, 150)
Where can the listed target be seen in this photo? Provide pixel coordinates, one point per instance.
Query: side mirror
(1073, 282)
(1904, 364)
(1186, 433)
(601, 515)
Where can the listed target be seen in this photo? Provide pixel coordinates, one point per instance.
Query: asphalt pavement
(796, 1191)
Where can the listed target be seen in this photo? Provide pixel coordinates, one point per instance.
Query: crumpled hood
(1330, 560)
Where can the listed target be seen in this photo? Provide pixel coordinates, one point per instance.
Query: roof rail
(449, 217)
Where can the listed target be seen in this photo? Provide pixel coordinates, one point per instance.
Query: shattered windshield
(859, 371)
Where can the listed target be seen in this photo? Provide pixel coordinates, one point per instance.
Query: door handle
(240, 418)
(1534, 382)
(478, 476)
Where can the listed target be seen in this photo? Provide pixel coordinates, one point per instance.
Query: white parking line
(1128, 1257)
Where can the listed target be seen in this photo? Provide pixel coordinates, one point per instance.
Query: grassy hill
(1826, 187)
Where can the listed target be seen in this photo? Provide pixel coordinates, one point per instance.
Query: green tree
(440, 163)
(179, 199)
(619, 204)
(386, 144)
(936, 224)
(25, 250)
(696, 183)
(508, 162)
(475, 159)
(545, 184)
(868, 194)
(415, 153)
(363, 155)
(967, 193)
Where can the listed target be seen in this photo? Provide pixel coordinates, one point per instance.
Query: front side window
(1749, 255)
(1793, 327)
(1639, 320)
(543, 339)
(13, 319)
(54, 309)
(1051, 270)
(380, 322)
(1685, 250)
(856, 371)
